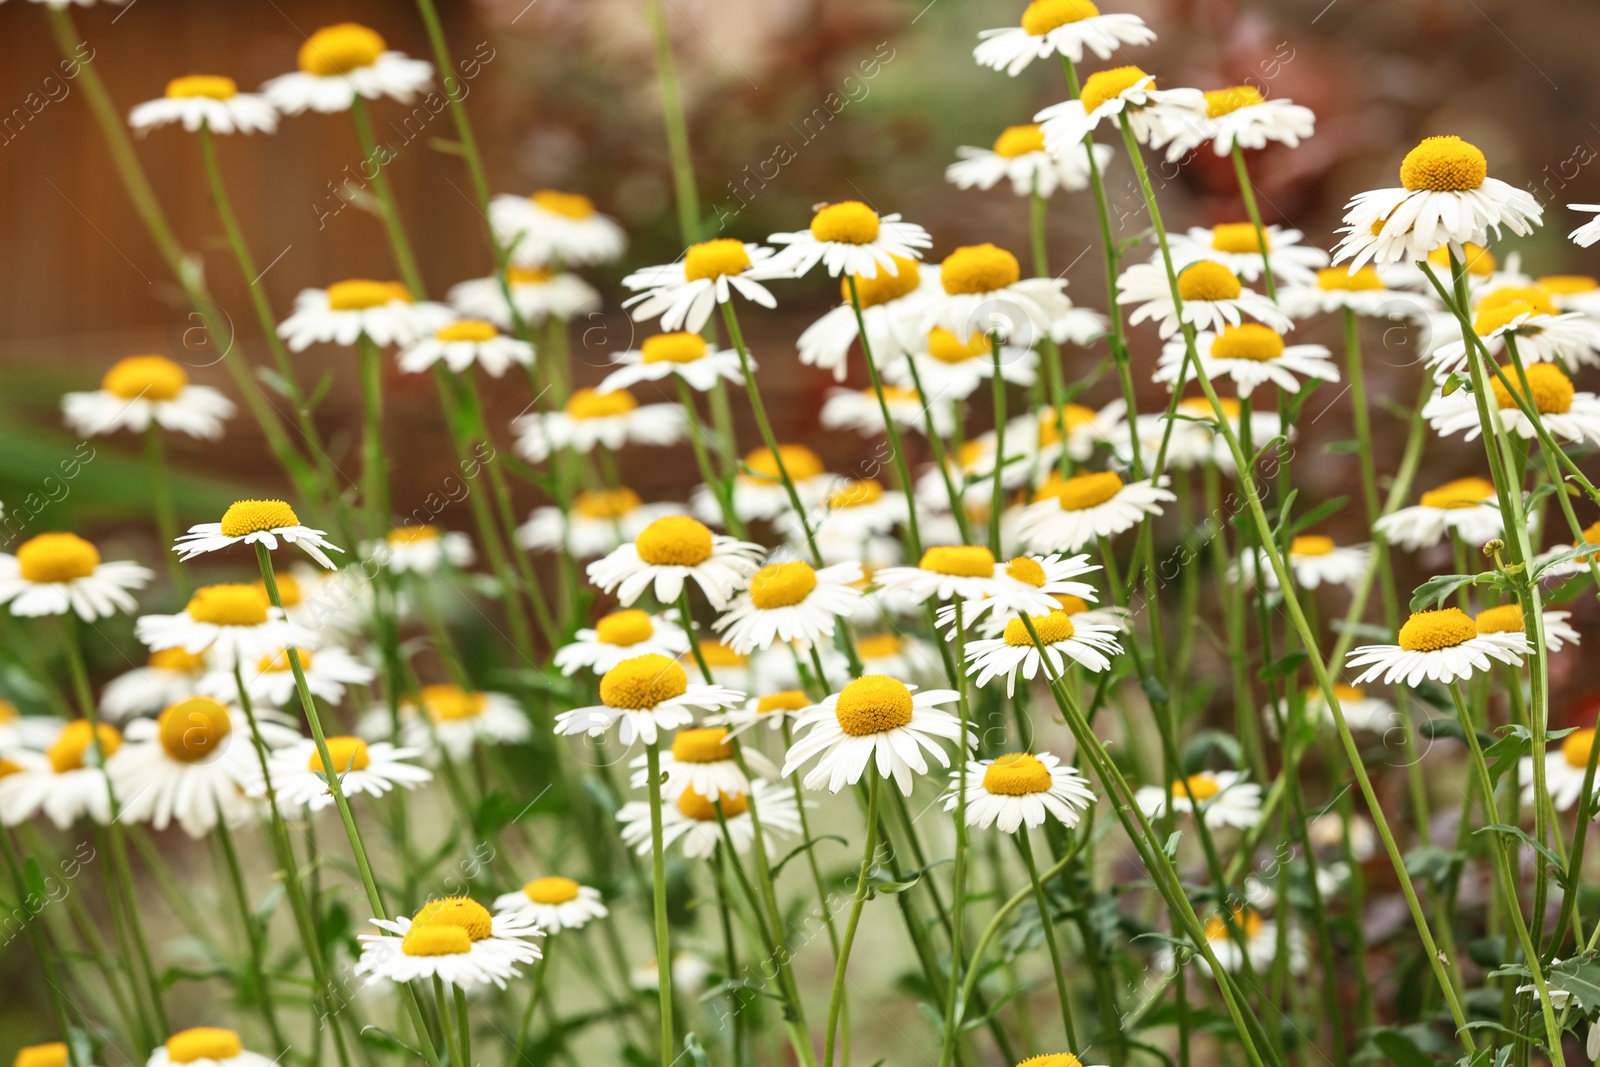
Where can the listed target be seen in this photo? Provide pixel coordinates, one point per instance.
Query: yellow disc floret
(1248, 340)
(1504, 619)
(1444, 165)
(1239, 238)
(551, 890)
(1429, 631)
(708, 744)
(697, 807)
(230, 604)
(961, 561)
(1337, 279)
(593, 404)
(624, 628)
(52, 1054)
(1105, 85)
(674, 541)
(885, 287)
(1311, 545)
(436, 941)
(978, 269)
(193, 731)
(1461, 493)
(643, 682)
(1208, 280)
(347, 753)
(856, 494)
(253, 516)
(1551, 389)
(341, 49)
(203, 1043)
(1053, 629)
(605, 504)
(451, 703)
(946, 347)
(1202, 787)
(474, 330)
(145, 377)
(710, 260)
(801, 463)
(567, 205)
(56, 557)
(363, 294)
(1220, 102)
(678, 347)
(1052, 1059)
(881, 646)
(782, 585)
(873, 704)
(1027, 571)
(1081, 491)
(72, 745)
(787, 700)
(463, 913)
(1246, 920)
(1042, 16)
(1016, 774)
(847, 222)
(1569, 284)
(207, 86)
(1017, 141)
(1576, 748)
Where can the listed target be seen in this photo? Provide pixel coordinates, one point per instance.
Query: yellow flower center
(1052, 1059)
(233, 604)
(192, 730)
(1311, 545)
(717, 654)
(1461, 493)
(710, 260)
(1429, 631)
(1537, 297)
(847, 222)
(705, 745)
(1071, 415)
(788, 700)
(1081, 491)
(1247, 921)
(1016, 774)
(1248, 340)
(1444, 165)
(288, 590)
(1026, 570)
(881, 646)
(56, 557)
(1345, 693)
(1202, 787)
(624, 628)
(1569, 284)
(856, 494)
(873, 704)
(347, 753)
(1337, 279)
(1220, 102)
(1239, 238)
(782, 585)
(1591, 536)
(1043, 16)
(946, 347)
(698, 808)
(962, 561)
(462, 913)
(475, 330)
(1071, 605)
(1200, 407)
(74, 741)
(177, 659)
(1017, 141)
(527, 276)
(674, 541)
(411, 535)
(1551, 389)
(885, 287)
(567, 205)
(593, 404)
(53, 1054)
(1208, 280)
(1053, 629)
(674, 348)
(641, 683)
(362, 294)
(147, 377)
(451, 703)
(210, 86)
(253, 516)
(801, 463)
(551, 890)
(203, 1043)
(341, 49)
(1576, 746)
(436, 941)
(605, 504)
(1480, 263)
(978, 269)
(1106, 84)
(1504, 619)
(8, 711)
(1488, 320)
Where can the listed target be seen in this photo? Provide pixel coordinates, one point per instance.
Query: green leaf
(1284, 666)
(1204, 743)
(1564, 556)
(378, 1037)
(1433, 729)
(778, 867)
(1325, 510)
(1342, 448)
(1526, 838)
(33, 878)
(1436, 590)
(1401, 1048)
(697, 1053)
(1580, 977)
(1433, 864)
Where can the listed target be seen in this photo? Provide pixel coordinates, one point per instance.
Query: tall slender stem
(658, 891)
(836, 997)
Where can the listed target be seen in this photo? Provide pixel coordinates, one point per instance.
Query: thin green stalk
(836, 996)
(161, 503)
(997, 499)
(890, 429)
(1248, 193)
(1048, 923)
(677, 126)
(658, 892)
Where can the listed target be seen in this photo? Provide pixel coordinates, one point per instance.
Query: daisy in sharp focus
(139, 390)
(861, 410)
(537, 295)
(57, 573)
(1064, 643)
(549, 226)
(891, 307)
(1241, 117)
(456, 718)
(1237, 246)
(1527, 317)
(1059, 27)
(683, 294)
(464, 344)
(1251, 355)
(692, 820)
(621, 635)
(1466, 507)
(874, 720)
(1068, 513)
(599, 521)
(1565, 766)
(1566, 413)
(453, 939)
(1441, 646)
(1153, 115)
(849, 238)
(300, 779)
(791, 602)
(231, 624)
(206, 1046)
(64, 782)
(670, 551)
(952, 367)
(270, 680)
(345, 311)
(702, 759)
(1020, 789)
(1507, 619)
(664, 355)
(555, 903)
(591, 418)
(1313, 559)
(983, 291)
(421, 548)
(647, 694)
(1019, 156)
(341, 62)
(1445, 198)
(255, 522)
(207, 100)
(1212, 295)
(1224, 799)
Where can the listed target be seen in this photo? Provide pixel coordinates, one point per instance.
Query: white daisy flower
(300, 779)
(1528, 315)
(1059, 27)
(1566, 413)
(791, 602)
(339, 63)
(1261, 944)
(1153, 115)
(1236, 246)
(897, 655)
(1442, 646)
(64, 782)
(1559, 999)
(891, 306)
(599, 521)
(1468, 507)
(1224, 798)
(206, 1046)
(702, 759)
(983, 291)
(1086, 428)
(1036, 582)
(647, 694)
(453, 939)
(1362, 711)
(464, 344)
(255, 522)
(1021, 789)
(874, 719)
(849, 237)
(1365, 292)
(692, 820)
(671, 550)
(1195, 440)
(1564, 768)
(1446, 197)
(1315, 560)
(140, 390)
(344, 311)
(57, 573)
(420, 548)
(551, 227)
(1212, 296)
(457, 718)
(952, 367)
(1019, 155)
(537, 294)
(747, 673)
(1575, 565)
(621, 635)
(1068, 513)
(31, 731)
(1251, 355)
(1507, 619)
(1065, 642)
(207, 100)
(970, 574)
(689, 971)
(861, 411)
(270, 681)
(684, 293)
(1241, 117)
(859, 511)
(759, 493)
(1572, 292)
(774, 709)
(591, 418)
(231, 624)
(1584, 236)
(664, 355)
(337, 604)
(555, 903)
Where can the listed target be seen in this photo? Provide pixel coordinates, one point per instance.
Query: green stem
(658, 885)
(161, 503)
(891, 431)
(677, 126)
(1248, 194)
(1048, 923)
(836, 996)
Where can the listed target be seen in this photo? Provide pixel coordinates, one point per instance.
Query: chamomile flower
(860, 410)
(621, 635)
(1362, 711)
(1019, 156)
(1565, 766)
(952, 367)
(692, 821)
(759, 493)
(339, 63)
(1059, 27)
(1026, 583)
(664, 355)
(791, 602)
(1086, 430)
(1441, 646)
(421, 548)
(1153, 115)
(702, 759)
(206, 1046)
(897, 655)
(452, 939)
(1445, 198)
(1212, 295)
(31, 731)
(1568, 414)
(775, 709)
(747, 673)
(874, 720)
(1241, 117)
(1313, 559)
(1467, 507)
(1068, 513)
(1020, 789)
(670, 551)
(1195, 439)
(599, 521)
(232, 624)
(1260, 944)
(1251, 355)
(537, 294)
(139, 390)
(555, 903)
(1507, 619)
(300, 779)
(1559, 1001)
(208, 100)
(1526, 316)
(549, 227)
(970, 574)
(464, 344)
(684, 293)
(647, 694)
(591, 418)
(255, 522)
(982, 290)
(64, 782)
(343, 312)
(1237, 246)
(57, 573)
(1065, 642)
(891, 305)
(849, 238)
(689, 970)
(1572, 292)
(270, 680)
(456, 718)
(1546, 566)
(1224, 799)
(1589, 232)
(858, 511)
(1365, 292)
